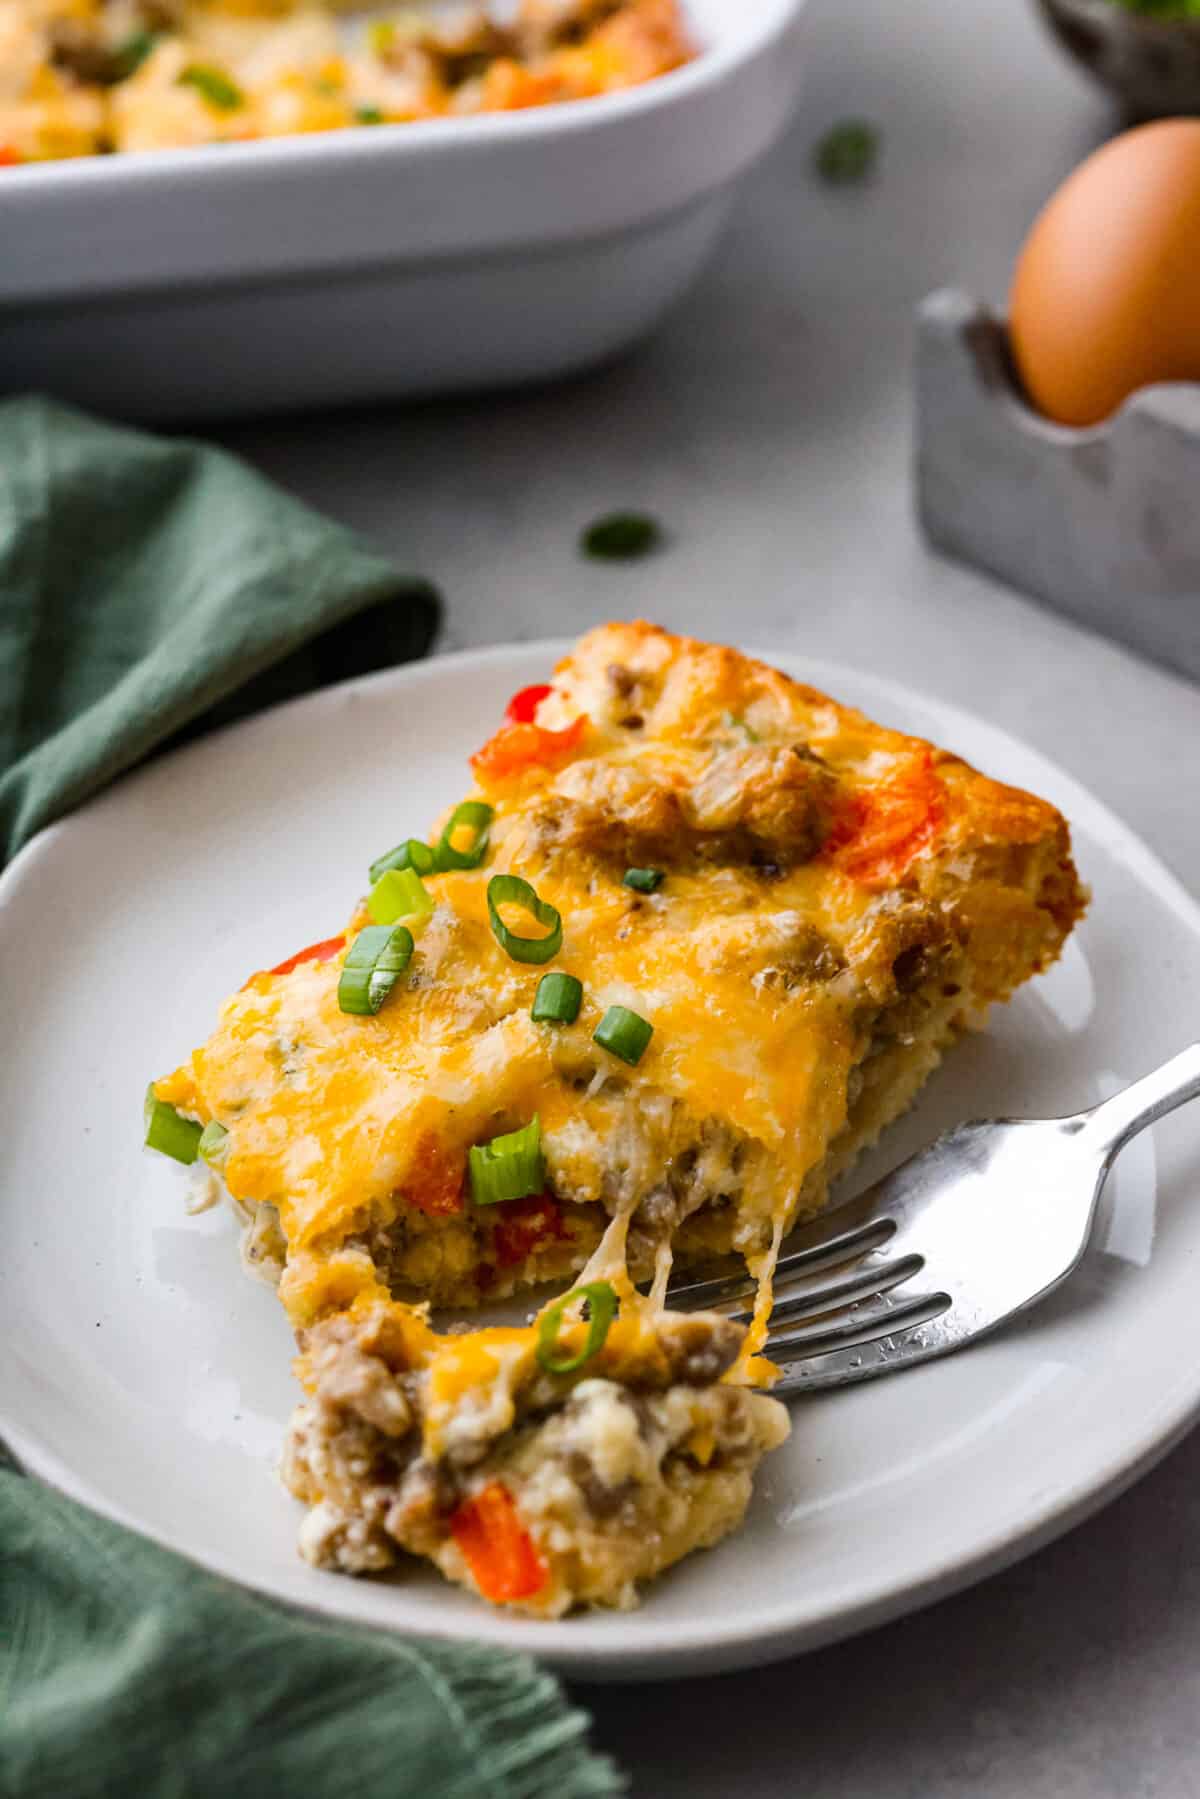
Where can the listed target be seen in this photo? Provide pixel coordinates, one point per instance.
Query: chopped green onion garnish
(623, 1033)
(412, 853)
(644, 880)
(213, 1144)
(216, 87)
(472, 815)
(169, 1131)
(847, 152)
(132, 53)
(374, 963)
(602, 1309)
(733, 721)
(398, 893)
(557, 1000)
(621, 534)
(511, 890)
(368, 115)
(509, 1167)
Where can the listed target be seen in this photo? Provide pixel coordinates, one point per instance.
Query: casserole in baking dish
(81, 77)
(372, 261)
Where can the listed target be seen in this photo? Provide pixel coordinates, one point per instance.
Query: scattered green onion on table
(847, 153)
(620, 535)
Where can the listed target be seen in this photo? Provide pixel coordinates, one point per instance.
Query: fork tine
(864, 1325)
(828, 1253)
(848, 1367)
(809, 1300)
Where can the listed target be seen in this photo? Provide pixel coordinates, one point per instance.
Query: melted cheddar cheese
(837, 900)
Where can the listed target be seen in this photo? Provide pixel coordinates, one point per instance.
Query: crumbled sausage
(348, 1378)
(700, 1349)
(754, 804)
(83, 56)
(603, 1501)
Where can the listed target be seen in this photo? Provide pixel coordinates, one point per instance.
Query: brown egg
(1106, 294)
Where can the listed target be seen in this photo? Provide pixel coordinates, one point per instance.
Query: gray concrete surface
(769, 427)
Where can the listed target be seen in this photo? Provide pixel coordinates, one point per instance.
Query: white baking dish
(389, 260)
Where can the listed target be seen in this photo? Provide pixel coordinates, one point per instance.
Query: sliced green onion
(624, 1033)
(213, 1144)
(602, 1309)
(368, 115)
(557, 1000)
(472, 815)
(398, 893)
(511, 890)
(412, 853)
(848, 151)
(213, 84)
(621, 534)
(644, 880)
(168, 1131)
(509, 1167)
(132, 52)
(374, 963)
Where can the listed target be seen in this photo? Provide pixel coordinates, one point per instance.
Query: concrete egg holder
(1102, 524)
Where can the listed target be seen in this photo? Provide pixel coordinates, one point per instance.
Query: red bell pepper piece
(516, 747)
(316, 952)
(498, 1549)
(878, 832)
(436, 1181)
(523, 1225)
(523, 706)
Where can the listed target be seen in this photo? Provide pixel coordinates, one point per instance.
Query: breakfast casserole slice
(541, 1468)
(748, 923)
(698, 935)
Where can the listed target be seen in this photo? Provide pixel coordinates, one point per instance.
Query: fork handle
(1114, 1121)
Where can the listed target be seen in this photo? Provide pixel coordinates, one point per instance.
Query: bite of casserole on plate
(697, 937)
(543, 1468)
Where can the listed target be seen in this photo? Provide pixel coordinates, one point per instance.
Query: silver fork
(993, 1216)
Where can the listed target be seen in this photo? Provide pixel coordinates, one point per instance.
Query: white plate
(141, 1372)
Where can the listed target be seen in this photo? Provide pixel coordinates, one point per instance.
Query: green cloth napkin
(125, 1670)
(151, 588)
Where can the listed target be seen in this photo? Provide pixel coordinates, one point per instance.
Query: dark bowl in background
(1151, 65)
